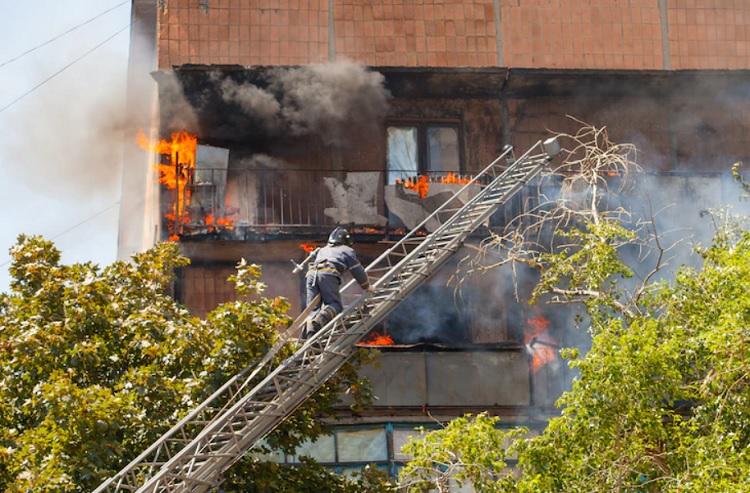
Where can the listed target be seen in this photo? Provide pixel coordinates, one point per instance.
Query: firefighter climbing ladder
(194, 454)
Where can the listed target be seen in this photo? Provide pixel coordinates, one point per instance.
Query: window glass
(402, 153)
(362, 445)
(442, 149)
(400, 437)
(322, 450)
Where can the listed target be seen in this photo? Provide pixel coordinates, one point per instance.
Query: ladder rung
(239, 421)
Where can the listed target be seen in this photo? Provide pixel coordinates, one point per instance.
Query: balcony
(248, 204)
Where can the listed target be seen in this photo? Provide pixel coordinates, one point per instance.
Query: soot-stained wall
(688, 122)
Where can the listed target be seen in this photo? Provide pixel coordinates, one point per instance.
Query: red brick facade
(594, 34)
(408, 33)
(601, 34)
(709, 34)
(258, 32)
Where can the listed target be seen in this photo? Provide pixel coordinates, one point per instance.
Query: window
(362, 445)
(423, 148)
(322, 450)
(402, 153)
(442, 149)
(429, 314)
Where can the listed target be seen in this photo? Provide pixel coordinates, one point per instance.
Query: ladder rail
(322, 354)
(251, 371)
(347, 342)
(349, 339)
(432, 236)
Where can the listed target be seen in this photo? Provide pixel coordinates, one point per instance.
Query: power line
(31, 50)
(68, 230)
(61, 70)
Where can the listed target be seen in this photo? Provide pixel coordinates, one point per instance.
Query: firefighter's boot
(324, 315)
(318, 321)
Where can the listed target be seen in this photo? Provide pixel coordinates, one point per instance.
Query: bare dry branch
(583, 188)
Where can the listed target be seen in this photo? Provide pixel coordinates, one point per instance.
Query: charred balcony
(258, 204)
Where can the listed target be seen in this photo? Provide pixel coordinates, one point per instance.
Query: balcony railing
(234, 203)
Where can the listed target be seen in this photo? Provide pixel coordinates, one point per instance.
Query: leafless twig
(584, 188)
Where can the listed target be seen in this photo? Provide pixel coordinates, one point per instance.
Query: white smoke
(61, 144)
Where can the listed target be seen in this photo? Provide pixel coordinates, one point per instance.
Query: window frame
(422, 144)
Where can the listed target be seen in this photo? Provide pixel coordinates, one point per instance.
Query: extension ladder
(193, 455)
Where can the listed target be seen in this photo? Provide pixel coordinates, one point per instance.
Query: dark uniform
(324, 278)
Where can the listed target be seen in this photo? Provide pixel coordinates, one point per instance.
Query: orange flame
(307, 247)
(421, 184)
(377, 339)
(177, 174)
(453, 178)
(367, 230)
(541, 354)
(225, 222)
(213, 223)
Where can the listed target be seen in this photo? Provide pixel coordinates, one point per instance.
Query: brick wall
(416, 33)
(709, 34)
(204, 288)
(597, 34)
(259, 32)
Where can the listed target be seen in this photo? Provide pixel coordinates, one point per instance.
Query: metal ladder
(194, 454)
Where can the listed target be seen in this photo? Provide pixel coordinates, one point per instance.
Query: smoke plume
(175, 111)
(259, 161)
(255, 102)
(322, 99)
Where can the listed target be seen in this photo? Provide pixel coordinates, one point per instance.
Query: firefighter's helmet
(340, 236)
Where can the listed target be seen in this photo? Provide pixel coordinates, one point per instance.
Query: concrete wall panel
(482, 378)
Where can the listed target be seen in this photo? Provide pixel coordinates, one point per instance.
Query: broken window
(402, 153)
(429, 314)
(442, 149)
(423, 148)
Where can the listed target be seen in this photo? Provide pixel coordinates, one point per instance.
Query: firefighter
(324, 278)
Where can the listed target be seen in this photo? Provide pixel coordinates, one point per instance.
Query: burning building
(270, 122)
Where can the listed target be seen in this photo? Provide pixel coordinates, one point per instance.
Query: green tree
(97, 362)
(661, 402)
(253, 476)
(469, 450)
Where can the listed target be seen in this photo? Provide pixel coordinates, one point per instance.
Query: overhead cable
(62, 70)
(77, 26)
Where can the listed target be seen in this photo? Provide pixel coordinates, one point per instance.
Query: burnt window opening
(443, 149)
(431, 148)
(430, 314)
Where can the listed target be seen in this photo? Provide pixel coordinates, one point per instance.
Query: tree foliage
(469, 450)
(254, 476)
(97, 362)
(661, 402)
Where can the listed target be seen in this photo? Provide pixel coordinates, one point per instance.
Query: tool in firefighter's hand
(300, 267)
